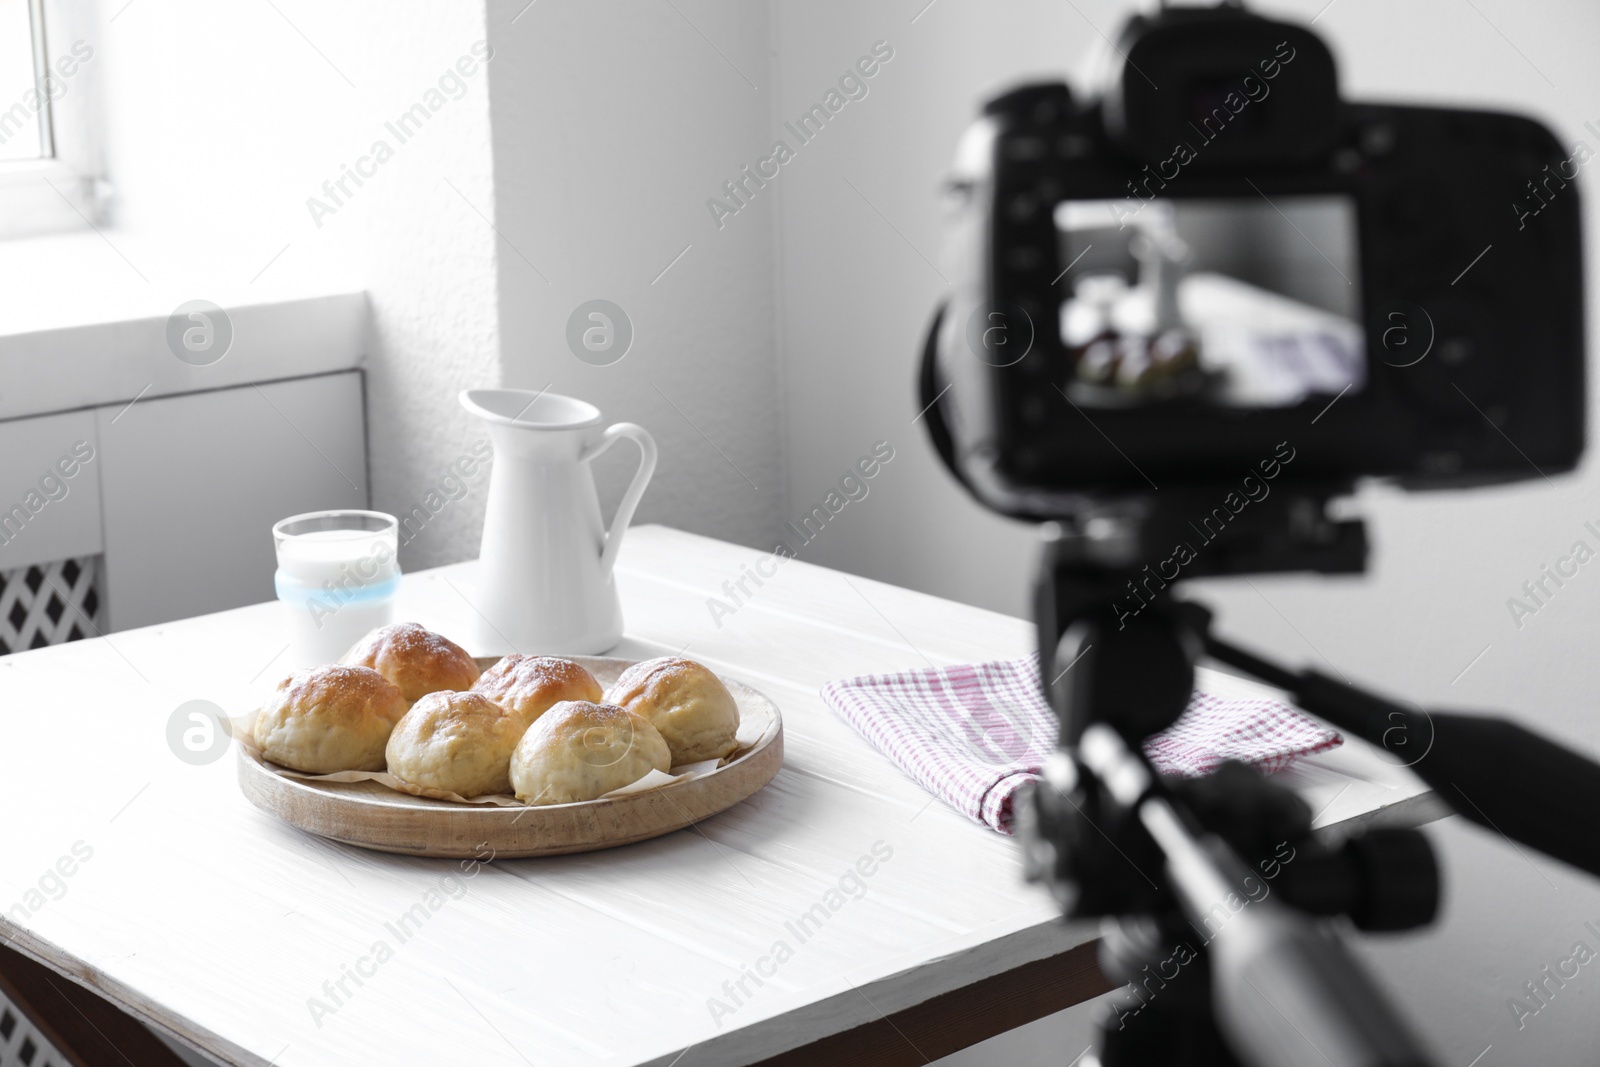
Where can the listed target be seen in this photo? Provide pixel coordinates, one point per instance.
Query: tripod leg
(1163, 1016)
(1161, 1036)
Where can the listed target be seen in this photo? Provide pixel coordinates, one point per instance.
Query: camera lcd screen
(1233, 303)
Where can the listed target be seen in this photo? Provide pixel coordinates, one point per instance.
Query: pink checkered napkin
(973, 735)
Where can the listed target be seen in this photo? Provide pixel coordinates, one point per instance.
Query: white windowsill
(82, 326)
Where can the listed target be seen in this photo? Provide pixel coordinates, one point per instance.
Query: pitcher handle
(641, 478)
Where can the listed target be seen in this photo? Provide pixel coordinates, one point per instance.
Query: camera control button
(1022, 207)
(1074, 146)
(1377, 140)
(1025, 149)
(1042, 102)
(1455, 351)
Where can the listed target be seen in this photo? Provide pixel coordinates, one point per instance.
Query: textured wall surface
(613, 124)
(428, 258)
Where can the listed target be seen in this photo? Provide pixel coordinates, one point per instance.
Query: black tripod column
(1113, 647)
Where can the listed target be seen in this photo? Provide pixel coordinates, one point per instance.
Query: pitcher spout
(526, 409)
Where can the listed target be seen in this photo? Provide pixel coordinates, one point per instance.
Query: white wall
(612, 125)
(856, 296)
(857, 287)
(223, 120)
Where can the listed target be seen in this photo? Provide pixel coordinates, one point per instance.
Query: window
(25, 126)
(49, 164)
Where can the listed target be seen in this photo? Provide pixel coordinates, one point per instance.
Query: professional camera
(1216, 255)
(1211, 276)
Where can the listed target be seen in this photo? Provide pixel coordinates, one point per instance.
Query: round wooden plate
(373, 816)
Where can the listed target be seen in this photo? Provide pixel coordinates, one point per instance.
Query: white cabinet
(50, 530)
(49, 489)
(190, 486)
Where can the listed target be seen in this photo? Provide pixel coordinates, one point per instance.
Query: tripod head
(1112, 568)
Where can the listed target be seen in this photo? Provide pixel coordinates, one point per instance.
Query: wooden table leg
(84, 1027)
(961, 1018)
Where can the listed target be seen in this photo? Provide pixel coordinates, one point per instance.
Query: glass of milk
(337, 577)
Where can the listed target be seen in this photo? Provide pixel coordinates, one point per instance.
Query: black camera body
(1217, 258)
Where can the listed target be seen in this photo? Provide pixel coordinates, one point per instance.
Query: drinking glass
(337, 576)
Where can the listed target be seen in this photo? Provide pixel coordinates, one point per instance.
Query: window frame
(65, 190)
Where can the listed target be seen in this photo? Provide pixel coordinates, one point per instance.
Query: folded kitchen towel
(974, 734)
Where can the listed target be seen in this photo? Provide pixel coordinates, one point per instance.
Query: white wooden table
(202, 915)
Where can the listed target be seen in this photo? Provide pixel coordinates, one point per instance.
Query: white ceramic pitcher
(544, 575)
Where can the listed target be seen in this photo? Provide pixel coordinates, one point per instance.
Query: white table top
(214, 920)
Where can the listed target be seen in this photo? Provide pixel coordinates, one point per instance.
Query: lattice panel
(49, 604)
(20, 1044)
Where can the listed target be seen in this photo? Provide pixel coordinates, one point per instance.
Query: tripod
(1215, 897)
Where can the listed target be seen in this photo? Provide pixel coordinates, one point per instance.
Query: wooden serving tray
(373, 816)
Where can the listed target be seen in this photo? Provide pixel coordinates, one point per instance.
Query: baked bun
(692, 709)
(529, 685)
(419, 661)
(579, 751)
(455, 742)
(329, 719)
